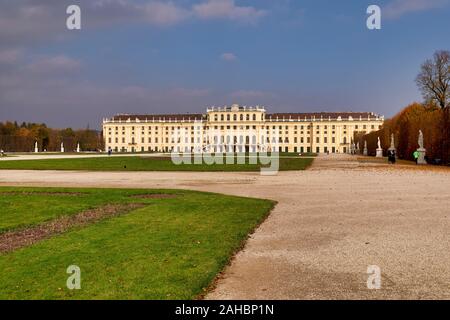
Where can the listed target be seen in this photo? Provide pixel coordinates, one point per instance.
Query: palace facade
(238, 129)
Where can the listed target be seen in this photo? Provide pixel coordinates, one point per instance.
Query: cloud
(228, 56)
(164, 13)
(53, 64)
(227, 9)
(30, 21)
(397, 8)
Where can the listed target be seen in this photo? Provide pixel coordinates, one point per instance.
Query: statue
(421, 151)
(392, 147)
(62, 147)
(78, 147)
(36, 149)
(365, 151)
(420, 140)
(379, 149)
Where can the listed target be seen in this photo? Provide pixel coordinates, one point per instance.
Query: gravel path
(330, 224)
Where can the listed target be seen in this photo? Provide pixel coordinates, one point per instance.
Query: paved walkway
(330, 224)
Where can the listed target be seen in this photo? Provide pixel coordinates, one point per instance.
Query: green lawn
(135, 163)
(172, 248)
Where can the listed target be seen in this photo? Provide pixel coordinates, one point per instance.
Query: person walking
(416, 156)
(391, 156)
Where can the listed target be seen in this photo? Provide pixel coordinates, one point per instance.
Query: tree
(434, 79)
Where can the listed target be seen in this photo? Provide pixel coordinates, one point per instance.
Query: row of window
(318, 127)
(235, 117)
(192, 140)
(281, 149)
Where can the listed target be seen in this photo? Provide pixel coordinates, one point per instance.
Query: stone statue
(36, 149)
(365, 151)
(420, 140)
(421, 151)
(78, 147)
(379, 149)
(392, 147)
(62, 147)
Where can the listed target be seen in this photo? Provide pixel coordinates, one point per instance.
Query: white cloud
(52, 64)
(227, 9)
(398, 8)
(228, 56)
(164, 13)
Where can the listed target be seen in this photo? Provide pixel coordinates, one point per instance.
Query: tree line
(22, 138)
(432, 116)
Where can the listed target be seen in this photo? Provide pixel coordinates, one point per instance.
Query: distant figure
(109, 151)
(391, 156)
(2, 153)
(416, 156)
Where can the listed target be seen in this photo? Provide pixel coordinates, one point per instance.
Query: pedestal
(422, 153)
(379, 153)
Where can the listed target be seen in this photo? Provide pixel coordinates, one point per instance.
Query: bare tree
(434, 79)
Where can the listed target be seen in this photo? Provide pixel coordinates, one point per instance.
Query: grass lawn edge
(220, 275)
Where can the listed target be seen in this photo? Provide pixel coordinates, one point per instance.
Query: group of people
(392, 156)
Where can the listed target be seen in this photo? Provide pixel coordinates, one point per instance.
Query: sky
(182, 56)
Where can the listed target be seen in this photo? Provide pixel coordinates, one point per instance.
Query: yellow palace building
(238, 129)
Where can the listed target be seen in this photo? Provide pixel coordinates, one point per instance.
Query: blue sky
(182, 56)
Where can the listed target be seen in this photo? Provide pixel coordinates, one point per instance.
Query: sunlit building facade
(238, 129)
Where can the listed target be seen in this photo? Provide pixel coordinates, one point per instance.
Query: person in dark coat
(391, 156)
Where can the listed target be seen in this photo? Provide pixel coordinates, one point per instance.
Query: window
(317, 140)
(254, 117)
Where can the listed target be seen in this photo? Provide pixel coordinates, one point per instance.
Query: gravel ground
(330, 224)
